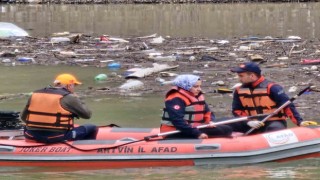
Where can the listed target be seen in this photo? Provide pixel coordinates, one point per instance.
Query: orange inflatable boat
(126, 147)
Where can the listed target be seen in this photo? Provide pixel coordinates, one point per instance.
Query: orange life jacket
(258, 101)
(45, 111)
(194, 110)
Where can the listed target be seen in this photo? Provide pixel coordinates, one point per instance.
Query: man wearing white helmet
(50, 112)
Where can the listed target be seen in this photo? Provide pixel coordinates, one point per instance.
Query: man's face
(196, 88)
(246, 77)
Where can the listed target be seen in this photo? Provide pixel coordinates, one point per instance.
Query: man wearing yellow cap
(50, 112)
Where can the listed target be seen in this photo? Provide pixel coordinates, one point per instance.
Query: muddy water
(217, 21)
(207, 20)
(141, 111)
(121, 110)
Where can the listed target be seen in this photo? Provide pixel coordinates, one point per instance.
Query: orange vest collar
(257, 82)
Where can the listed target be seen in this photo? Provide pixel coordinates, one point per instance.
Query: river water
(206, 20)
(214, 21)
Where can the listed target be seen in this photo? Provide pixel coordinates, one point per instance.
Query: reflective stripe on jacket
(194, 110)
(258, 101)
(45, 111)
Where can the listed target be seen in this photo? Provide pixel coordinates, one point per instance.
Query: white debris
(222, 41)
(294, 37)
(236, 86)
(293, 89)
(143, 72)
(150, 36)
(283, 58)
(197, 72)
(167, 74)
(157, 40)
(161, 80)
(192, 58)
(219, 83)
(59, 39)
(118, 40)
(314, 68)
(131, 84)
(165, 58)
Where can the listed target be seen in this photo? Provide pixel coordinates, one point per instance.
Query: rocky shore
(147, 1)
(147, 62)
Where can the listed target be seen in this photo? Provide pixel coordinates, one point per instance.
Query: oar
(147, 138)
(280, 108)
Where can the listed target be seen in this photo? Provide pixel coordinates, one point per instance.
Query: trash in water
(197, 72)
(104, 38)
(166, 83)
(293, 89)
(222, 41)
(256, 57)
(167, 74)
(254, 45)
(130, 71)
(222, 90)
(66, 33)
(6, 61)
(294, 37)
(314, 68)
(100, 77)
(68, 53)
(164, 58)
(243, 48)
(8, 54)
(310, 61)
(25, 59)
(192, 58)
(283, 58)
(208, 58)
(120, 40)
(143, 72)
(158, 79)
(150, 36)
(59, 39)
(219, 83)
(154, 54)
(211, 49)
(131, 84)
(157, 40)
(114, 66)
(9, 29)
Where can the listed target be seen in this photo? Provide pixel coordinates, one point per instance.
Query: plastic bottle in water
(114, 66)
(25, 59)
(100, 77)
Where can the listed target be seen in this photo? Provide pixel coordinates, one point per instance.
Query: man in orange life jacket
(185, 108)
(50, 112)
(257, 95)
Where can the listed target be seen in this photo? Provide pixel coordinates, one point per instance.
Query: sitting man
(50, 112)
(258, 95)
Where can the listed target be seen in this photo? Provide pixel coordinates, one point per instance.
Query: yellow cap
(66, 79)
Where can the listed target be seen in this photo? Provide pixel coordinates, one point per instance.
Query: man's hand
(203, 136)
(255, 124)
(211, 125)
